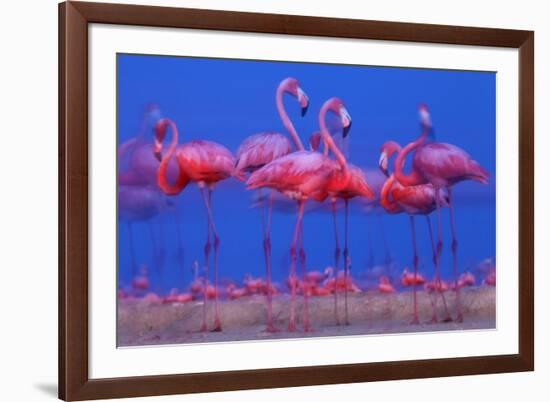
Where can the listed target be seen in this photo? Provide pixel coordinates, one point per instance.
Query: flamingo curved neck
(413, 178)
(182, 180)
(125, 147)
(286, 120)
(143, 127)
(388, 204)
(330, 145)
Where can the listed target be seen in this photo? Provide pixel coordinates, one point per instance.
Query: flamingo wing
(299, 174)
(205, 161)
(446, 164)
(415, 199)
(260, 149)
(357, 185)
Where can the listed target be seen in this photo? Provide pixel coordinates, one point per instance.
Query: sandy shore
(145, 323)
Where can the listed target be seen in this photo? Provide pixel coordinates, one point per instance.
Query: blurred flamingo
(141, 204)
(138, 169)
(258, 150)
(441, 165)
(412, 279)
(413, 200)
(466, 279)
(141, 282)
(490, 279)
(300, 176)
(385, 286)
(357, 186)
(205, 163)
(316, 277)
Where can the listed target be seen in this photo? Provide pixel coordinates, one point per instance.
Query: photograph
(262, 200)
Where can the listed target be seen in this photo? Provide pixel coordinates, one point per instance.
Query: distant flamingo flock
(153, 171)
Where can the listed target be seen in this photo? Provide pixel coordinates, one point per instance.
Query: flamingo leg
(156, 256)
(387, 253)
(346, 264)
(217, 322)
(437, 276)
(267, 253)
(454, 246)
(336, 261)
(292, 319)
(161, 249)
(207, 247)
(302, 255)
(133, 266)
(439, 245)
(179, 250)
(415, 266)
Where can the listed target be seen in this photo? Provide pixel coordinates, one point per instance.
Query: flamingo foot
(433, 320)
(292, 326)
(460, 318)
(270, 328)
(217, 326)
(448, 319)
(415, 321)
(203, 328)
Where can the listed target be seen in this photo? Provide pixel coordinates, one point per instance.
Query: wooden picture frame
(74, 381)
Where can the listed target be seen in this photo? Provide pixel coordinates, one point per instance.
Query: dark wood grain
(526, 201)
(74, 382)
(73, 202)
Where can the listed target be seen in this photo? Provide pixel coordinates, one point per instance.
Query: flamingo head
(336, 105)
(152, 111)
(329, 272)
(424, 115)
(292, 87)
(386, 152)
(159, 129)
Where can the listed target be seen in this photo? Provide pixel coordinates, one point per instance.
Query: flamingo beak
(346, 121)
(383, 163)
(304, 101)
(157, 151)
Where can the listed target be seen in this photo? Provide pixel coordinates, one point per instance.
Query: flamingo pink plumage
(441, 165)
(260, 149)
(413, 200)
(301, 176)
(205, 163)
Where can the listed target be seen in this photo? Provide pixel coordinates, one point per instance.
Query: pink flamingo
(413, 200)
(385, 286)
(304, 175)
(357, 186)
(138, 169)
(490, 279)
(316, 277)
(258, 150)
(441, 165)
(205, 163)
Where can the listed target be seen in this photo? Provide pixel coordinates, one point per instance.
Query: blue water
(228, 100)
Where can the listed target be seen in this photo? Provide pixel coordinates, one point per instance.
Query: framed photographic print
(258, 200)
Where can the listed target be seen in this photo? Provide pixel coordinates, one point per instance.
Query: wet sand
(145, 323)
